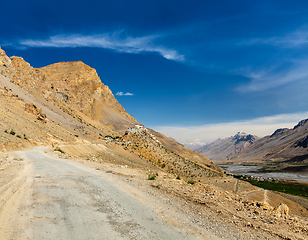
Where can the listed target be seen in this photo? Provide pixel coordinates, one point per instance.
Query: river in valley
(249, 170)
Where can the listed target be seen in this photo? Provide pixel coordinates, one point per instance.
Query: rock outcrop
(6, 67)
(282, 210)
(75, 87)
(31, 108)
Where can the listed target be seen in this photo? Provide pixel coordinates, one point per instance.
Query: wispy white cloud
(113, 41)
(267, 79)
(294, 39)
(124, 94)
(275, 77)
(211, 132)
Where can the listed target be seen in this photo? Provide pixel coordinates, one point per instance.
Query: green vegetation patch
(152, 176)
(109, 136)
(59, 150)
(299, 164)
(270, 169)
(294, 189)
(191, 182)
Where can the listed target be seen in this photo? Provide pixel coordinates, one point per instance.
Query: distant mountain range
(222, 149)
(283, 145)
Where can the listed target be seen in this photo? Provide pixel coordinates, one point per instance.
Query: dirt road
(61, 199)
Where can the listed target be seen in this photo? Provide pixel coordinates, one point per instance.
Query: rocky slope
(22, 127)
(222, 149)
(170, 156)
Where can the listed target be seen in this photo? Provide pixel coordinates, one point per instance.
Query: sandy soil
(15, 191)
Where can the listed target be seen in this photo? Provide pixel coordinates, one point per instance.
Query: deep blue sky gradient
(230, 60)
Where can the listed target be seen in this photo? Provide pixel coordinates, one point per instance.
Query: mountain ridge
(282, 145)
(228, 147)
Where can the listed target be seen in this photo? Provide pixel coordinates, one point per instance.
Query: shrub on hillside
(152, 176)
(191, 182)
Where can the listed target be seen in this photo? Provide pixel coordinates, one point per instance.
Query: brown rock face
(75, 87)
(282, 210)
(6, 68)
(31, 108)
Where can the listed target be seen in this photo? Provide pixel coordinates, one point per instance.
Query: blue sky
(195, 70)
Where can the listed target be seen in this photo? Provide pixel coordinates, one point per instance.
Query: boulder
(282, 210)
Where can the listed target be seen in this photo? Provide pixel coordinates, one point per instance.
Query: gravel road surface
(63, 199)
